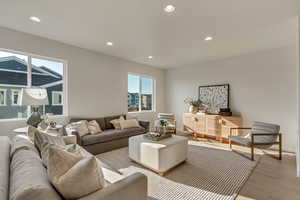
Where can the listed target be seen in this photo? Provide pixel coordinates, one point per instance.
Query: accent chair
(262, 135)
(171, 121)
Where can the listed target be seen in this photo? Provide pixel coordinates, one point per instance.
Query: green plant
(163, 123)
(190, 101)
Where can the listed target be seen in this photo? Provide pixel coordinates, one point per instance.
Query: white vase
(193, 109)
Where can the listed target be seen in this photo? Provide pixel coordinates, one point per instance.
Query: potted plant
(162, 126)
(194, 104)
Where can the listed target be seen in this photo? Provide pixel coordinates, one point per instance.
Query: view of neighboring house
(133, 102)
(13, 77)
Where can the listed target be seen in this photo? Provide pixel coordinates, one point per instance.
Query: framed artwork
(215, 97)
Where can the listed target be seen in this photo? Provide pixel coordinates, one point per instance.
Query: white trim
(140, 92)
(13, 97)
(62, 98)
(29, 78)
(5, 96)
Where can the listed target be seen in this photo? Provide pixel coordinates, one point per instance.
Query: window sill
(24, 119)
(141, 112)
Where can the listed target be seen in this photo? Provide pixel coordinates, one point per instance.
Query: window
(20, 70)
(140, 93)
(2, 97)
(57, 98)
(16, 97)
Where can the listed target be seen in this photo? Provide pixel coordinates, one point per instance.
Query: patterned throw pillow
(116, 122)
(81, 127)
(44, 141)
(74, 175)
(94, 127)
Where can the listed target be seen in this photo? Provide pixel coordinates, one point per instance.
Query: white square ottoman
(159, 156)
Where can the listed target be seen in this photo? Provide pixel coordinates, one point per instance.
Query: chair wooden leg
(252, 147)
(252, 152)
(280, 147)
(230, 144)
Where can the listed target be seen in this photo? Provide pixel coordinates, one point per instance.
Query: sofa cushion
(108, 124)
(112, 134)
(4, 167)
(261, 127)
(100, 121)
(29, 179)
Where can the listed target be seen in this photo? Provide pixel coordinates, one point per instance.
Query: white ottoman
(159, 156)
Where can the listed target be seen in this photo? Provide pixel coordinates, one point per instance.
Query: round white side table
(23, 130)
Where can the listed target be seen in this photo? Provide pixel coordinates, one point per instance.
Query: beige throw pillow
(81, 127)
(131, 123)
(73, 175)
(94, 127)
(116, 122)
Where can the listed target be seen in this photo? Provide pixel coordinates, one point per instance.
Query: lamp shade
(34, 97)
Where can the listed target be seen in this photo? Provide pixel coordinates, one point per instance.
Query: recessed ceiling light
(35, 19)
(169, 8)
(208, 38)
(150, 57)
(109, 43)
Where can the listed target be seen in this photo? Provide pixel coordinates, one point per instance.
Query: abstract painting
(215, 97)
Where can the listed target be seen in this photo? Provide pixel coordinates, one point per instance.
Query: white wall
(263, 88)
(97, 83)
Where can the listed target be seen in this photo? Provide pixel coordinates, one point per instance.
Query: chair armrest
(70, 139)
(239, 128)
(264, 134)
(133, 187)
(145, 124)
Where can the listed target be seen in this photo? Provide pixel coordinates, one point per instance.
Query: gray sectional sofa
(24, 177)
(110, 138)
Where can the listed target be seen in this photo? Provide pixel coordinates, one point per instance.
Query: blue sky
(55, 66)
(133, 84)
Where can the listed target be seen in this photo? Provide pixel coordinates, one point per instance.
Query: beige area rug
(209, 173)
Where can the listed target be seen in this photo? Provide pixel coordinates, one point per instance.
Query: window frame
(13, 97)
(5, 96)
(30, 56)
(140, 93)
(62, 98)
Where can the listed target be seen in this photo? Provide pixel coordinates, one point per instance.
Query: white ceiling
(140, 28)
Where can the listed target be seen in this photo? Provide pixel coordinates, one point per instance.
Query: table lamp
(34, 97)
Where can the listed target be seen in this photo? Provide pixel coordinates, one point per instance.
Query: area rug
(209, 173)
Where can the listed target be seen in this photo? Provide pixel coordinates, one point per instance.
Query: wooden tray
(157, 138)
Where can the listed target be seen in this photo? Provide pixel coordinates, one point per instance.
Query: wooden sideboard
(208, 125)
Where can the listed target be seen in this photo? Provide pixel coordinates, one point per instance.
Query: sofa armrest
(133, 187)
(145, 124)
(76, 134)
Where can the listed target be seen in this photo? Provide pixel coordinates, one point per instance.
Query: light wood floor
(271, 179)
